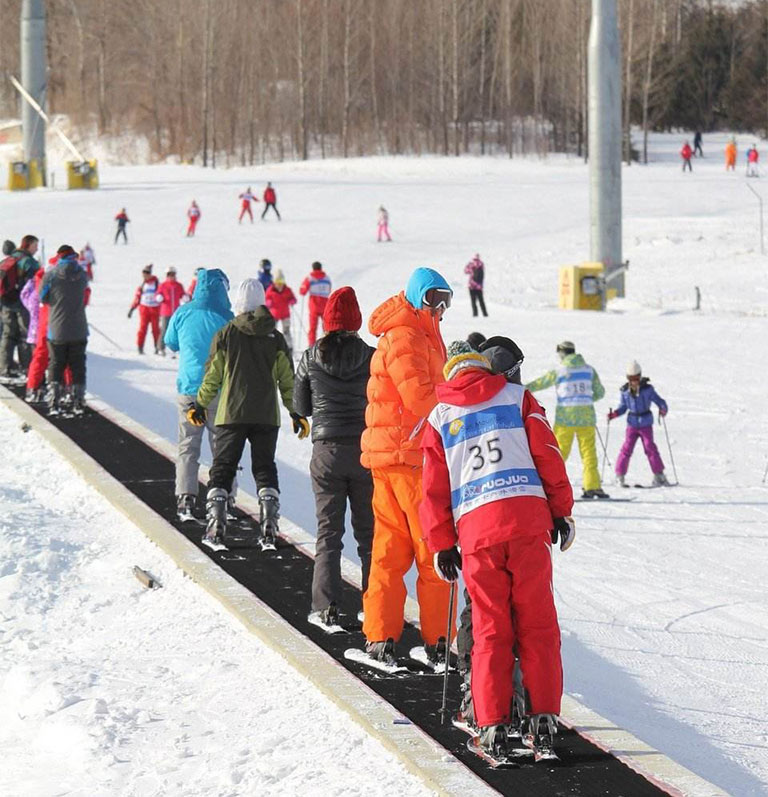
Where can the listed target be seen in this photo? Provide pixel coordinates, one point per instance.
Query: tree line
(227, 82)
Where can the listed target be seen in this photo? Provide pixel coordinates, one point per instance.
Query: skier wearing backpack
(578, 388)
(636, 397)
(148, 301)
(331, 383)
(318, 285)
(495, 485)
(190, 332)
(15, 270)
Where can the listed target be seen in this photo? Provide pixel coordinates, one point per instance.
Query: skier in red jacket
(686, 153)
(279, 300)
(318, 285)
(495, 483)
(147, 300)
(169, 294)
(193, 214)
(247, 197)
(270, 201)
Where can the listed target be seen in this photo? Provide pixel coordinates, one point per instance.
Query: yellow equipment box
(581, 287)
(23, 175)
(82, 174)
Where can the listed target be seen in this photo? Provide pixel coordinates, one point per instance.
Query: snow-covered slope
(662, 600)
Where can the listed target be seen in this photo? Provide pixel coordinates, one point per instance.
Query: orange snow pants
(397, 541)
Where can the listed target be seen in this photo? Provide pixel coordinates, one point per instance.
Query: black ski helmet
(9, 247)
(505, 357)
(476, 340)
(265, 264)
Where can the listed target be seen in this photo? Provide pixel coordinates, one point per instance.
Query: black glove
(566, 529)
(130, 312)
(196, 415)
(448, 563)
(300, 425)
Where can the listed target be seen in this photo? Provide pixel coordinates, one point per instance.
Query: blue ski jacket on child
(638, 406)
(193, 325)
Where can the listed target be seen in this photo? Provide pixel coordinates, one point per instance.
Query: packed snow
(662, 600)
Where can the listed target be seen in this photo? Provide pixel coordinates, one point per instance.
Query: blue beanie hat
(422, 280)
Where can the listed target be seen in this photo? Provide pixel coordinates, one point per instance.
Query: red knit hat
(342, 312)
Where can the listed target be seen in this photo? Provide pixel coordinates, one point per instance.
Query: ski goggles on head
(437, 298)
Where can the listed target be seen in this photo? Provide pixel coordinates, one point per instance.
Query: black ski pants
(230, 443)
(338, 477)
(476, 297)
(274, 207)
(61, 355)
(121, 231)
(15, 324)
(687, 164)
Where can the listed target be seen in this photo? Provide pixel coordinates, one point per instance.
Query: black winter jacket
(334, 394)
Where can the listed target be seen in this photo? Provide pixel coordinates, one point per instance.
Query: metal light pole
(605, 141)
(34, 80)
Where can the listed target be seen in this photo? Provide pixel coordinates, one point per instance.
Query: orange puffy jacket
(405, 368)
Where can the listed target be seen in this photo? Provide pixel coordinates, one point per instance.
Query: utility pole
(605, 141)
(34, 80)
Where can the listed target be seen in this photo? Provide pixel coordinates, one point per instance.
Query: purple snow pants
(646, 434)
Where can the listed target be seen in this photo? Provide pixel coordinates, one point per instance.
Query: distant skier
(330, 386)
(752, 158)
(686, 153)
(476, 271)
(147, 300)
(495, 485)
(279, 300)
(87, 260)
(637, 395)
(247, 366)
(383, 226)
(122, 221)
(730, 155)
(265, 273)
(190, 332)
(193, 214)
(245, 207)
(697, 151)
(578, 386)
(270, 201)
(318, 285)
(169, 294)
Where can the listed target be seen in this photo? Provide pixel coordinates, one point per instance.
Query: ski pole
(443, 708)
(301, 317)
(669, 446)
(765, 475)
(602, 444)
(106, 337)
(605, 450)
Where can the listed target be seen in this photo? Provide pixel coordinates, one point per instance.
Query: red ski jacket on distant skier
(170, 293)
(270, 196)
(686, 152)
(280, 302)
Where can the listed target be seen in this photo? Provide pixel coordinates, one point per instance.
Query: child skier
(752, 158)
(147, 300)
(279, 300)
(245, 207)
(193, 214)
(270, 201)
(247, 365)
(122, 220)
(169, 294)
(637, 395)
(318, 285)
(578, 387)
(331, 385)
(383, 226)
(495, 485)
(476, 271)
(686, 153)
(730, 155)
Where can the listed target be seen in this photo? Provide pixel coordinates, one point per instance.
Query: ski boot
(436, 654)
(660, 479)
(53, 398)
(216, 512)
(515, 726)
(598, 493)
(78, 399)
(185, 507)
(140, 349)
(269, 499)
(539, 735)
(621, 480)
(327, 619)
(34, 396)
(491, 744)
(382, 651)
(231, 508)
(465, 718)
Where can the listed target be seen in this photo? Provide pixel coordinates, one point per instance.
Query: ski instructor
(405, 369)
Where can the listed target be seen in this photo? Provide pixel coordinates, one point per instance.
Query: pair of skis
(417, 654)
(240, 535)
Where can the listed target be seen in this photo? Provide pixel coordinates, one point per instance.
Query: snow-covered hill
(662, 601)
